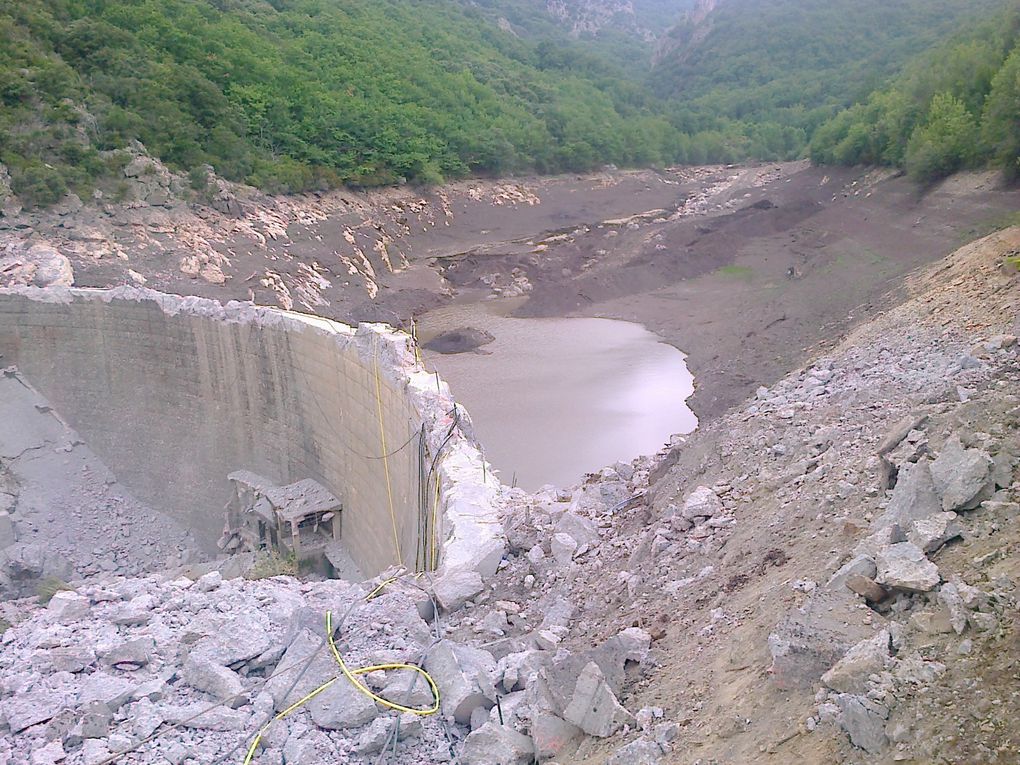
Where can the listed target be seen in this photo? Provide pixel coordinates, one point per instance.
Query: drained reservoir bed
(552, 399)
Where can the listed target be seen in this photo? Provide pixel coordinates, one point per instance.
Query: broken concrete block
(850, 674)
(306, 748)
(219, 682)
(27, 709)
(594, 707)
(71, 659)
(461, 673)
(912, 498)
(864, 721)
(495, 744)
(701, 503)
(456, 588)
(934, 531)
(960, 474)
(630, 645)
(563, 548)
(376, 735)
(304, 649)
(68, 607)
(810, 639)
(904, 565)
(209, 582)
(580, 528)
(342, 706)
(110, 690)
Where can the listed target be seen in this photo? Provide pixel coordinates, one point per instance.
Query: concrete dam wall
(176, 393)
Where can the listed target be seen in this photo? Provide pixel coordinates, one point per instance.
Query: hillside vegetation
(292, 95)
(765, 74)
(299, 94)
(955, 107)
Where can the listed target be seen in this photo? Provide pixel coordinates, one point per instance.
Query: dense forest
(955, 107)
(291, 95)
(764, 74)
(298, 94)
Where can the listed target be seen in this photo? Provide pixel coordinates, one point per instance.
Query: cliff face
(688, 34)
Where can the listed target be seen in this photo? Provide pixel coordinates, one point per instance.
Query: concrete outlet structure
(177, 393)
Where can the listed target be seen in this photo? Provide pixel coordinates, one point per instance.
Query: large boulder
(905, 566)
(810, 639)
(960, 475)
(851, 673)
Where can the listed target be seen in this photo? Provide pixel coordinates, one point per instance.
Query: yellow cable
(385, 451)
(351, 676)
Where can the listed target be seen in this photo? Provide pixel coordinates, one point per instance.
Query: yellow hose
(351, 676)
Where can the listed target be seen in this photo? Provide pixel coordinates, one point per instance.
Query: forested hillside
(955, 107)
(766, 73)
(297, 94)
(291, 95)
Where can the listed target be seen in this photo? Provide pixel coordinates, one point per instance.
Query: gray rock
(594, 707)
(642, 751)
(864, 721)
(342, 706)
(27, 709)
(934, 531)
(563, 548)
(810, 639)
(135, 612)
(306, 748)
(904, 565)
(850, 674)
(375, 736)
(70, 659)
(94, 751)
(457, 587)
(580, 528)
(912, 498)
(110, 690)
(50, 754)
(960, 474)
(701, 503)
(221, 683)
(462, 674)
(68, 607)
(94, 721)
(949, 597)
(304, 649)
(495, 744)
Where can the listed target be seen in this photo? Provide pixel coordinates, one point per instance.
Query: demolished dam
(176, 393)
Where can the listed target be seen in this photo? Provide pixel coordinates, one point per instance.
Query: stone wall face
(175, 393)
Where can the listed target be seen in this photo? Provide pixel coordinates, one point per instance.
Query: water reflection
(552, 399)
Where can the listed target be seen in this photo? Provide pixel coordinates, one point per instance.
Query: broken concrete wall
(175, 393)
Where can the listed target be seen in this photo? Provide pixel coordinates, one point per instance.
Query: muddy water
(552, 399)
